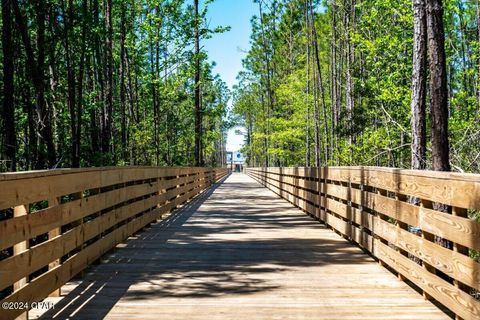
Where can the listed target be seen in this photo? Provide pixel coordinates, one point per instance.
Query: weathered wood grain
(458, 301)
(29, 226)
(22, 190)
(241, 253)
(456, 189)
(347, 202)
(457, 229)
(139, 196)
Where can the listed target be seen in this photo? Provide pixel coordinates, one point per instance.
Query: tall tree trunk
(168, 134)
(307, 81)
(81, 73)
(419, 86)
(438, 86)
(316, 118)
(130, 90)
(9, 129)
(54, 98)
(30, 131)
(438, 100)
(97, 142)
(67, 22)
(156, 67)
(93, 121)
(198, 103)
(319, 83)
(131, 111)
(107, 133)
(268, 85)
(123, 119)
(333, 74)
(265, 129)
(46, 130)
(37, 70)
(350, 60)
(156, 108)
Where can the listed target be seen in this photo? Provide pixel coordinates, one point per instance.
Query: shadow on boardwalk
(234, 239)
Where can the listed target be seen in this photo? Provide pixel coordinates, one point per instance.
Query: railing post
(459, 212)
(379, 216)
(430, 237)
(322, 189)
(19, 211)
(52, 234)
(79, 196)
(404, 226)
(177, 187)
(161, 190)
(365, 217)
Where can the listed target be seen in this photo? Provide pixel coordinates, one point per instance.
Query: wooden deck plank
(238, 251)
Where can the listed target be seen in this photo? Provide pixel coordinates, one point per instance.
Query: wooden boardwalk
(238, 251)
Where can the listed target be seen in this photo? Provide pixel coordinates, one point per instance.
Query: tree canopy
(107, 82)
(329, 83)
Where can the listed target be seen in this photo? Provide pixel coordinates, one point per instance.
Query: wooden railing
(398, 217)
(58, 222)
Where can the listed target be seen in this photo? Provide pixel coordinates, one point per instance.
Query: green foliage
(153, 84)
(282, 105)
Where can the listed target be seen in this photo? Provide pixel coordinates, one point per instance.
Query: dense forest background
(337, 82)
(333, 83)
(109, 82)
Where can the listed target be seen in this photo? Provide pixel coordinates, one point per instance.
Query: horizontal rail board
(31, 190)
(31, 225)
(108, 205)
(371, 207)
(453, 189)
(457, 229)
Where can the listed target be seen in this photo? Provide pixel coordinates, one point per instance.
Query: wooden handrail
(80, 214)
(391, 213)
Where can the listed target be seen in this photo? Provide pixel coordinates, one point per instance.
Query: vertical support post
(177, 189)
(314, 186)
(20, 247)
(459, 212)
(379, 216)
(195, 180)
(404, 226)
(78, 196)
(318, 193)
(350, 236)
(160, 191)
(430, 237)
(52, 234)
(206, 178)
(366, 217)
(322, 189)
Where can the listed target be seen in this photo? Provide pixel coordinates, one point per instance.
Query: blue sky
(229, 48)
